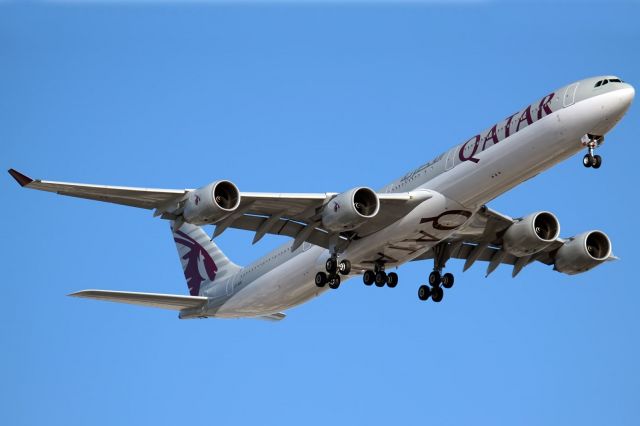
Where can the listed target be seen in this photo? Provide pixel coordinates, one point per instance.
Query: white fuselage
(461, 181)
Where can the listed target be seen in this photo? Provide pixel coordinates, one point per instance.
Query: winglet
(20, 178)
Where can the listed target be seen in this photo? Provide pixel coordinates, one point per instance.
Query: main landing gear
(592, 142)
(434, 289)
(436, 279)
(334, 269)
(379, 277)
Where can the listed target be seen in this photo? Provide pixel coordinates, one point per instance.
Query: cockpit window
(607, 81)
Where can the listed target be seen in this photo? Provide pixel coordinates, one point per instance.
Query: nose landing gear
(592, 142)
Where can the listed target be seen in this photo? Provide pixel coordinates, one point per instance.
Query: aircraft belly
(284, 287)
(426, 225)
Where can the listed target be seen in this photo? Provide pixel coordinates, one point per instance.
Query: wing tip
(81, 293)
(22, 180)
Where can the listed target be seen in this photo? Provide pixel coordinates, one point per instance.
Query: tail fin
(202, 260)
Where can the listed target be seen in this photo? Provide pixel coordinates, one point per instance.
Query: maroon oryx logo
(197, 199)
(199, 263)
(336, 207)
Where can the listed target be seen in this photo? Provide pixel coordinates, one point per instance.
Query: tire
(447, 280)
(437, 293)
(369, 277)
(331, 265)
(381, 279)
(434, 278)
(597, 162)
(586, 161)
(321, 279)
(424, 291)
(392, 279)
(334, 282)
(345, 267)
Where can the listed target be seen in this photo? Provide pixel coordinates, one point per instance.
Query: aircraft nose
(627, 94)
(622, 100)
(614, 106)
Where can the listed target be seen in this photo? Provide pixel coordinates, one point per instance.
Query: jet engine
(347, 211)
(584, 252)
(211, 203)
(532, 234)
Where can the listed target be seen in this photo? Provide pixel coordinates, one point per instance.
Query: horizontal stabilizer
(174, 302)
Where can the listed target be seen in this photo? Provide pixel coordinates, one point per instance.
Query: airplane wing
(292, 214)
(297, 215)
(481, 239)
(174, 302)
(135, 197)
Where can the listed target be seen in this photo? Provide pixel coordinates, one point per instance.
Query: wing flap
(302, 206)
(282, 227)
(290, 214)
(173, 302)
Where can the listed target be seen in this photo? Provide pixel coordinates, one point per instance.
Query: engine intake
(583, 252)
(532, 234)
(211, 203)
(347, 211)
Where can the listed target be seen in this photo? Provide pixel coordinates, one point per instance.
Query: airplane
(436, 212)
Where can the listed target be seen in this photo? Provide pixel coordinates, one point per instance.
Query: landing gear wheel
(381, 279)
(331, 265)
(591, 142)
(424, 291)
(434, 278)
(437, 293)
(447, 280)
(369, 277)
(321, 279)
(392, 279)
(344, 267)
(334, 281)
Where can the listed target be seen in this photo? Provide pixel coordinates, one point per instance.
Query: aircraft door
(231, 283)
(570, 95)
(450, 159)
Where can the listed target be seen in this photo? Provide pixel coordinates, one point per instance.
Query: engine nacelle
(347, 211)
(211, 202)
(584, 252)
(532, 234)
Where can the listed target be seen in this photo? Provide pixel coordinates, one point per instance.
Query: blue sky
(180, 95)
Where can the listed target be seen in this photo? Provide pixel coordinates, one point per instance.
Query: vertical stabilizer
(202, 261)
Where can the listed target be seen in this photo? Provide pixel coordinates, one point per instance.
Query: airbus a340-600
(437, 211)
